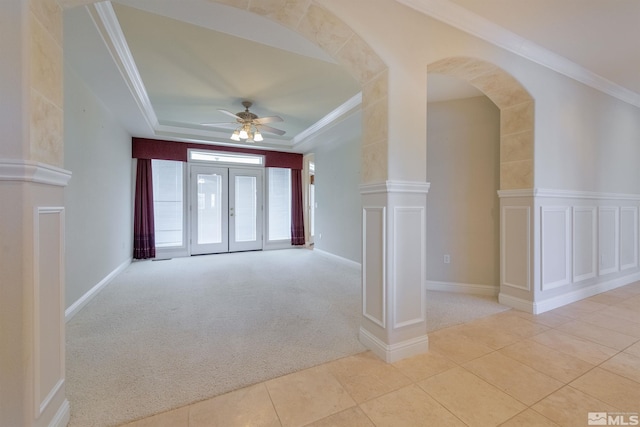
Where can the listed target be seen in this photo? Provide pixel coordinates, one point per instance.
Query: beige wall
(583, 138)
(463, 155)
(339, 213)
(98, 199)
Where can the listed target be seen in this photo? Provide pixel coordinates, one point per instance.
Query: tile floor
(508, 369)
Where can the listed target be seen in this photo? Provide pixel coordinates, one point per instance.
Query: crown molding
(469, 22)
(28, 171)
(106, 22)
(342, 112)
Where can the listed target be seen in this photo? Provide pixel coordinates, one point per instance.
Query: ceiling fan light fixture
(243, 134)
(258, 136)
(235, 136)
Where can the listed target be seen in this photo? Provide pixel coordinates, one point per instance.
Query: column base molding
(394, 352)
(62, 417)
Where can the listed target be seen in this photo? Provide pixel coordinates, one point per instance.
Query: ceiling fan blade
(229, 113)
(269, 129)
(269, 119)
(221, 125)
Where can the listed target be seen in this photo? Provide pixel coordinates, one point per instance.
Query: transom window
(220, 157)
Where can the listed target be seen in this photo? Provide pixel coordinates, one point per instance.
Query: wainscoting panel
(628, 237)
(555, 244)
(408, 299)
(608, 238)
(585, 248)
(49, 364)
(515, 247)
(373, 264)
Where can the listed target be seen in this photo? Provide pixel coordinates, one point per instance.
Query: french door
(226, 209)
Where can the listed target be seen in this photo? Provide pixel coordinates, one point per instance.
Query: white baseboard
(579, 294)
(62, 416)
(548, 304)
(463, 288)
(517, 303)
(394, 352)
(334, 257)
(84, 299)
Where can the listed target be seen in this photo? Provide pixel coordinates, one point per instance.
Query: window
(213, 156)
(279, 204)
(168, 203)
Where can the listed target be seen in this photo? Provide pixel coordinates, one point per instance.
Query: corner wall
(339, 214)
(463, 220)
(98, 200)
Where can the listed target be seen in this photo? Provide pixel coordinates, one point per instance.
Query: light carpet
(169, 333)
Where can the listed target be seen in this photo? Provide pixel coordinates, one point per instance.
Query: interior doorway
(226, 209)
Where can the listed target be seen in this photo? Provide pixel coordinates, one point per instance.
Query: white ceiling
(190, 58)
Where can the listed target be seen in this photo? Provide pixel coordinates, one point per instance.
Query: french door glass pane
(279, 204)
(209, 208)
(168, 204)
(246, 209)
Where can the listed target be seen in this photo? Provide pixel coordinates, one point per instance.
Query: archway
(372, 104)
(516, 115)
(516, 163)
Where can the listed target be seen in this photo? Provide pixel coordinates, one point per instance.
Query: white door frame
(228, 241)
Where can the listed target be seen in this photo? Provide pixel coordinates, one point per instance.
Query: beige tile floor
(509, 369)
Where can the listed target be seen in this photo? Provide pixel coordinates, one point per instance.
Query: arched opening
(516, 115)
(360, 60)
(479, 141)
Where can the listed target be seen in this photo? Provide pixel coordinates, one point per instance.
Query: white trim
(594, 244)
(516, 303)
(586, 292)
(41, 405)
(62, 416)
(396, 187)
(469, 22)
(633, 264)
(566, 194)
(394, 352)
(505, 194)
(342, 112)
(28, 171)
(616, 245)
(106, 22)
(570, 194)
(84, 300)
(462, 288)
(380, 322)
(338, 258)
(423, 245)
(566, 280)
(503, 246)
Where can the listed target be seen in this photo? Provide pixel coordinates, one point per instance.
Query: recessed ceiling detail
(183, 75)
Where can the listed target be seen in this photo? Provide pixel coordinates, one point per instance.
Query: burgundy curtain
(297, 215)
(144, 239)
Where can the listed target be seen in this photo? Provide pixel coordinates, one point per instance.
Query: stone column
(31, 216)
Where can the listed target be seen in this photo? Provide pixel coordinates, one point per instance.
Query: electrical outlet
(447, 259)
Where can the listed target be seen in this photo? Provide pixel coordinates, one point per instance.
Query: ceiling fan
(248, 125)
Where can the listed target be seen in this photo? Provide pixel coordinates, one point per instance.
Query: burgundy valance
(143, 148)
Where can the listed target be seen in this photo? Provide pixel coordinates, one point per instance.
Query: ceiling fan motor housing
(246, 115)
